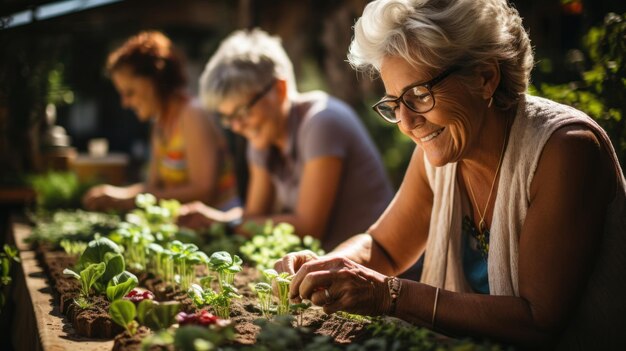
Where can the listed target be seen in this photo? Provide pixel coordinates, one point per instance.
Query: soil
(94, 321)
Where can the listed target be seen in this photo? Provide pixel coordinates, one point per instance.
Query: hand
(195, 215)
(339, 284)
(292, 261)
(104, 197)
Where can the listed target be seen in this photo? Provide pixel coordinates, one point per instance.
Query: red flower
(136, 295)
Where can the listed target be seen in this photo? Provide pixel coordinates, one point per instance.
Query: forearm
(503, 318)
(364, 250)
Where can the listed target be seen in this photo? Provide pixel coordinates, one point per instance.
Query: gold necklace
(482, 226)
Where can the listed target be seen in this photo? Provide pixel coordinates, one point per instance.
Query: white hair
(445, 33)
(245, 62)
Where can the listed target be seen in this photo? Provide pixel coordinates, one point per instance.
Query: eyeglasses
(242, 111)
(418, 98)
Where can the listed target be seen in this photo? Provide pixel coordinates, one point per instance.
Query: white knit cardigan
(600, 321)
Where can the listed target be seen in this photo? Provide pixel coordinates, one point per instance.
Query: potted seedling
(123, 312)
(87, 278)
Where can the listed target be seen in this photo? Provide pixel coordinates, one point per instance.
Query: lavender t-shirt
(320, 126)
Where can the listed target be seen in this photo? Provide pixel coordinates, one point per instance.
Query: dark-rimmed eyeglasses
(417, 97)
(240, 113)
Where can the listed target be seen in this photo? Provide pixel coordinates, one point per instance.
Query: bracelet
(432, 321)
(394, 285)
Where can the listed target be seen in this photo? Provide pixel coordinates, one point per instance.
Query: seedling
(7, 258)
(219, 301)
(226, 266)
(123, 312)
(298, 309)
(282, 281)
(87, 277)
(157, 315)
(73, 248)
(264, 292)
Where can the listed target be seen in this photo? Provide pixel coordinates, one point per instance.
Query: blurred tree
(600, 90)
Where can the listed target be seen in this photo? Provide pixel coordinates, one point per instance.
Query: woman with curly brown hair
(190, 159)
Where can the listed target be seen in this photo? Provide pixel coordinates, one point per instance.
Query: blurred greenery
(600, 89)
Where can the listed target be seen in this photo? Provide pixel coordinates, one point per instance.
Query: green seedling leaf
(90, 275)
(123, 312)
(157, 316)
(121, 285)
(96, 251)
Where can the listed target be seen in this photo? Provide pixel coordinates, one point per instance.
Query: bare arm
(318, 190)
(405, 220)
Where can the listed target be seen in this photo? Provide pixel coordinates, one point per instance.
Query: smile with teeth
(431, 136)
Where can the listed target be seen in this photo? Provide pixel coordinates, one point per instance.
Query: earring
(490, 102)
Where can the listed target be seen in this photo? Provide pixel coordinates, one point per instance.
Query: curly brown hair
(152, 55)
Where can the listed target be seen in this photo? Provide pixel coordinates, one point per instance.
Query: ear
(489, 75)
(281, 89)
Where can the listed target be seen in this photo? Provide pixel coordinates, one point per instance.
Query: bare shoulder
(194, 117)
(574, 153)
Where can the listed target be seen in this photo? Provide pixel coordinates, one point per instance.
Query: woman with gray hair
(311, 161)
(518, 202)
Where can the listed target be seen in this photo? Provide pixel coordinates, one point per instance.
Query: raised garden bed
(62, 324)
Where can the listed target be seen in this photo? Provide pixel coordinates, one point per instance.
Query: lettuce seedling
(157, 315)
(87, 278)
(123, 312)
(298, 309)
(120, 285)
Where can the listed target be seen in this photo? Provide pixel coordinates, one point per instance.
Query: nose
(409, 120)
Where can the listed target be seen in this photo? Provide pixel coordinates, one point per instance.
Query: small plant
(282, 281)
(73, 248)
(123, 312)
(75, 225)
(219, 301)
(157, 315)
(264, 292)
(298, 309)
(120, 285)
(270, 243)
(87, 279)
(186, 257)
(226, 266)
(7, 258)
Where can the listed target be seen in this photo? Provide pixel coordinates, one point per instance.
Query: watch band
(395, 286)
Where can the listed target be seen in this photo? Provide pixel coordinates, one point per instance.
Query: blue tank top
(474, 260)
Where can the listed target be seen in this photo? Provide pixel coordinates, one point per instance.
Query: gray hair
(245, 62)
(445, 33)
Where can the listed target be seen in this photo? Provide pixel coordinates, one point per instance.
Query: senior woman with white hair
(518, 202)
(312, 162)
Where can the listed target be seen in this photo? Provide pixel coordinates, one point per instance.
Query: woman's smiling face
(137, 93)
(259, 123)
(445, 132)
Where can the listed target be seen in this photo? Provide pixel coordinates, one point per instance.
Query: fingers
(312, 284)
